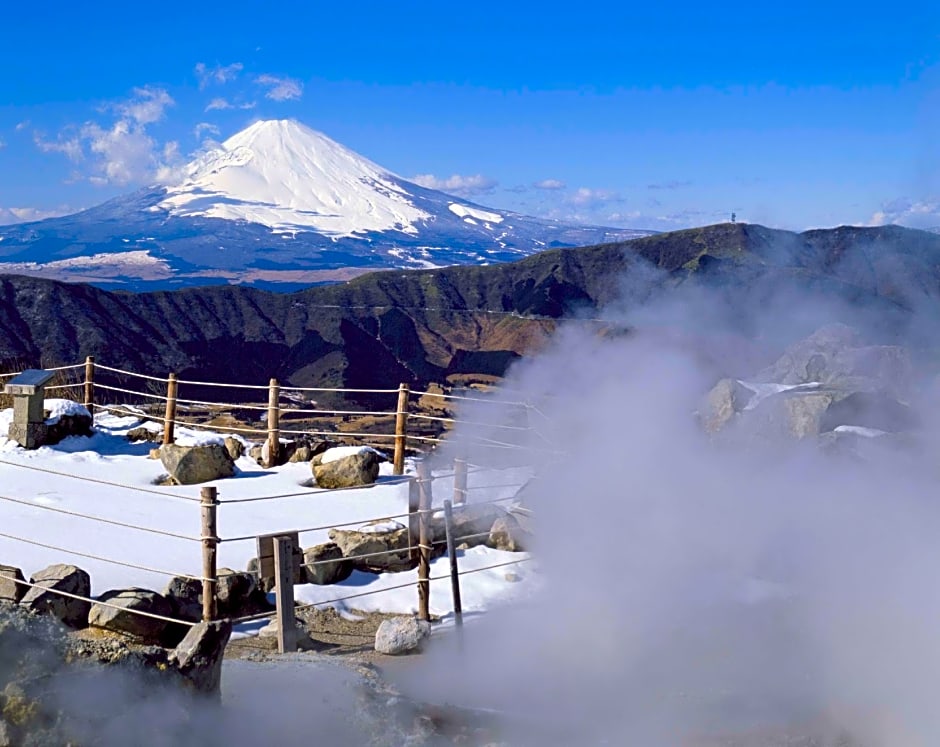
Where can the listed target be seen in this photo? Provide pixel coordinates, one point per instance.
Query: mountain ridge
(427, 326)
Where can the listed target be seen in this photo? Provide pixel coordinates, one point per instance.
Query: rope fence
(99, 602)
(103, 559)
(99, 519)
(312, 605)
(431, 431)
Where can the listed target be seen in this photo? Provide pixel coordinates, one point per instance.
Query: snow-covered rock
(400, 635)
(346, 469)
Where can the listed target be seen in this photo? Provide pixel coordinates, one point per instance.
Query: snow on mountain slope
(286, 176)
(279, 205)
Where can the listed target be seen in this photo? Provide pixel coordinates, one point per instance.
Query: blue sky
(656, 116)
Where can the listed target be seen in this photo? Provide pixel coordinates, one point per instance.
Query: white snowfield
(463, 211)
(47, 481)
(286, 176)
(137, 258)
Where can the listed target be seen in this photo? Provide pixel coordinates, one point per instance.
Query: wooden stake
(460, 481)
(90, 384)
(401, 430)
(414, 501)
(274, 423)
(424, 542)
(169, 419)
(284, 594)
(210, 543)
(452, 554)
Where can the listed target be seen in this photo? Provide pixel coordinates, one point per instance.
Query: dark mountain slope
(421, 326)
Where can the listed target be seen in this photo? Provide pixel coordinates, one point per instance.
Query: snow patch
(60, 407)
(380, 527)
(135, 259)
(341, 452)
(763, 390)
(859, 430)
(463, 211)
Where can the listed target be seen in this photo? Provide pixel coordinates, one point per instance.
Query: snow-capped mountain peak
(279, 203)
(286, 176)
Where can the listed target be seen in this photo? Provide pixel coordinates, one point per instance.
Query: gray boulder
(471, 523)
(875, 410)
(793, 414)
(829, 379)
(10, 591)
(836, 356)
(324, 564)
(305, 448)
(198, 657)
(386, 542)
(66, 578)
(273, 628)
(726, 399)
(234, 447)
(144, 434)
(357, 469)
(507, 534)
(400, 635)
(189, 465)
(234, 591)
(185, 598)
(118, 614)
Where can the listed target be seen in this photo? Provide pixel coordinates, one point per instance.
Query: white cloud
(204, 128)
(9, 216)
(463, 186)
(551, 184)
(280, 89)
(67, 144)
(3, 143)
(122, 152)
(912, 213)
(587, 197)
(20, 126)
(147, 106)
(219, 74)
(125, 153)
(220, 103)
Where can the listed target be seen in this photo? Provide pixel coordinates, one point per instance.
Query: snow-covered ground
(108, 477)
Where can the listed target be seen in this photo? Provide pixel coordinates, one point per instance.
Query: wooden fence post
(401, 429)
(424, 541)
(274, 423)
(169, 418)
(90, 384)
(414, 502)
(210, 543)
(452, 554)
(460, 481)
(284, 594)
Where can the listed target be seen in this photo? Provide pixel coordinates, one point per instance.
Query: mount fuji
(278, 205)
